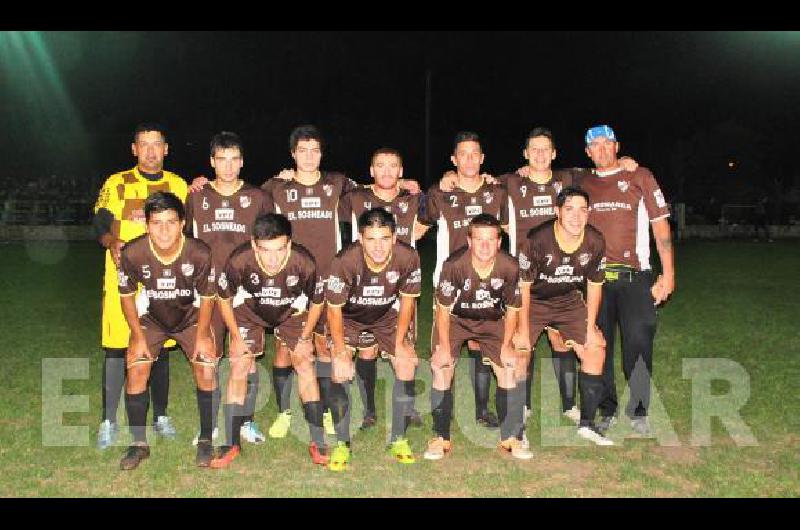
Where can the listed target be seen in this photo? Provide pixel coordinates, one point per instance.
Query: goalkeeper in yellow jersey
(119, 218)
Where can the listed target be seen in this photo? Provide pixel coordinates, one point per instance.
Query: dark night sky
(366, 90)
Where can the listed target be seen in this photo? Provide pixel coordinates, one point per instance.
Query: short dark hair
(484, 219)
(386, 151)
(304, 132)
(226, 140)
(147, 127)
(271, 226)
(540, 131)
(376, 218)
(571, 191)
(465, 136)
(162, 201)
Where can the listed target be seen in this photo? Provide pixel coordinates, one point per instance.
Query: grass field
(734, 301)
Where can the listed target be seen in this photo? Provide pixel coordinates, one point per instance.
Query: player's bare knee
(592, 360)
(240, 368)
(282, 356)
(304, 368)
(404, 368)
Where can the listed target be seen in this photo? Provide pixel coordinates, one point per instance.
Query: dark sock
(136, 406)
(510, 403)
(591, 390)
(205, 407)
(324, 382)
(113, 382)
(280, 377)
(442, 411)
(529, 383)
(501, 402)
(250, 397)
(234, 417)
(367, 370)
(481, 382)
(516, 412)
(401, 407)
(313, 414)
(340, 409)
(159, 384)
(564, 365)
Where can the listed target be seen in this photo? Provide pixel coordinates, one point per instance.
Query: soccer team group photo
(328, 270)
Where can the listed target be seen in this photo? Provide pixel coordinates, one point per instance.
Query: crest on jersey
(123, 279)
(335, 284)
(623, 185)
(244, 201)
(565, 259)
(254, 278)
(187, 269)
(446, 288)
(226, 203)
(223, 281)
(292, 280)
(392, 276)
(167, 273)
(541, 189)
(487, 197)
(328, 189)
(212, 275)
(496, 283)
(524, 262)
(466, 284)
(583, 259)
(403, 206)
(415, 276)
(309, 191)
(557, 187)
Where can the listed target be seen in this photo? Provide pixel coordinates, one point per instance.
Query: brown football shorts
(487, 333)
(568, 318)
(156, 336)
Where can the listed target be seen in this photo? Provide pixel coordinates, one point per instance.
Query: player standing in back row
(451, 212)
(624, 205)
(222, 216)
(386, 169)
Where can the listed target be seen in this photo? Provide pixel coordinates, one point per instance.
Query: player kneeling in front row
(560, 260)
(270, 282)
(371, 288)
(478, 299)
(170, 268)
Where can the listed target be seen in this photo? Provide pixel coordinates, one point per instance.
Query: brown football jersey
(270, 299)
(451, 212)
(405, 208)
(474, 297)
(622, 205)
(366, 294)
(224, 222)
(171, 290)
(530, 204)
(313, 211)
(554, 273)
